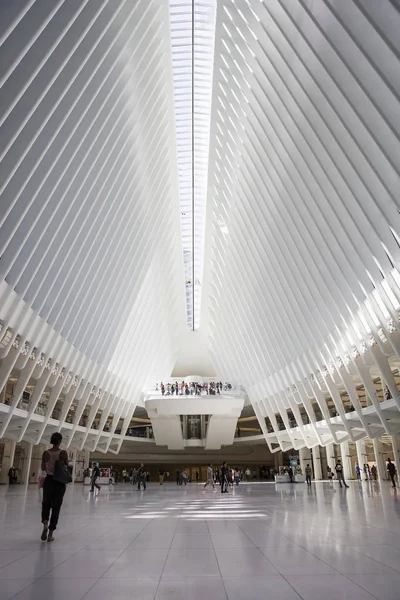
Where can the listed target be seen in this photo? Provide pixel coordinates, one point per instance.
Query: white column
(316, 456)
(8, 460)
(13, 447)
(396, 450)
(26, 470)
(330, 456)
(362, 457)
(380, 463)
(72, 459)
(346, 461)
(87, 459)
(305, 458)
(278, 460)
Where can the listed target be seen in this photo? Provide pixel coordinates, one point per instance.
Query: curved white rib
(91, 262)
(305, 225)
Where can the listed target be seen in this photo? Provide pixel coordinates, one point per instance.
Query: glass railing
(210, 388)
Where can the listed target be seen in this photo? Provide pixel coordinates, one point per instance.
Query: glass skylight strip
(193, 222)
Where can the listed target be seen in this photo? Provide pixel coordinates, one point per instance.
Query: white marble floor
(184, 543)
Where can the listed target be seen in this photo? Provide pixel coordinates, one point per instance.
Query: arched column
(8, 459)
(26, 467)
(380, 463)
(346, 461)
(316, 456)
(362, 457)
(396, 450)
(330, 456)
(305, 458)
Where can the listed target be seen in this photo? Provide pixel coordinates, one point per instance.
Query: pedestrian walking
(141, 477)
(392, 471)
(339, 473)
(55, 464)
(95, 477)
(161, 474)
(224, 478)
(210, 477)
(308, 474)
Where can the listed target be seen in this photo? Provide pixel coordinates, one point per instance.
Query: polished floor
(184, 543)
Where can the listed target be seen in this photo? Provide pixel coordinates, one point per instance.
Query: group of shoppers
(192, 388)
(55, 467)
(182, 477)
(369, 473)
(225, 476)
(339, 474)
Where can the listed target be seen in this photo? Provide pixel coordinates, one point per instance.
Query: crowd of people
(192, 388)
(370, 473)
(227, 476)
(56, 475)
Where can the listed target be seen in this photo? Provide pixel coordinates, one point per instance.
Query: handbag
(41, 478)
(61, 472)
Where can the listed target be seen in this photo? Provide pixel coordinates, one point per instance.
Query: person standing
(184, 477)
(290, 473)
(95, 477)
(358, 471)
(178, 477)
(248, 474)
(236, 476)
(12, 475)
(141, 477)
(161, 474)
(374, 472)
(392, 471)
(210, 477)
(339, 473)
(53, 491)
(308, 474)
(330, 474)
(224, 478)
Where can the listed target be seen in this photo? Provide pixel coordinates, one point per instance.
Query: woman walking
(53, 461)
(95, 477)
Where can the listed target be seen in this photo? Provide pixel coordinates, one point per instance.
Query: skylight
(192, 38)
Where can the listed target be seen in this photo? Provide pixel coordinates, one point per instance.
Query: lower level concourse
(259, 541)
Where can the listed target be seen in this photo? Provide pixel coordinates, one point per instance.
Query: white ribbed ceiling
(278, 238)
(304, 190)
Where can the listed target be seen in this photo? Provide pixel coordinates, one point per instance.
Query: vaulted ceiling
(227, 167)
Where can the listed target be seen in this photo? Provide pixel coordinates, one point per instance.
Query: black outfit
(392, 472)
(224, 480)
(53, 495)
(141, 477)
(95, 476)
(11, 476)
(290, 473)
